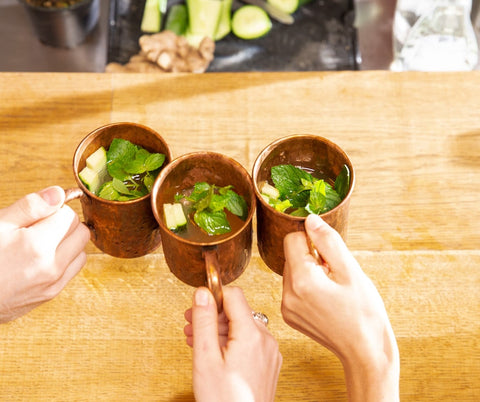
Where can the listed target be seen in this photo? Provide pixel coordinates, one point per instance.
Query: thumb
(205, 328)
(33, 207)
(330, 245)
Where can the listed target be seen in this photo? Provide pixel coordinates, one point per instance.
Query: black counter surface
(321, 38)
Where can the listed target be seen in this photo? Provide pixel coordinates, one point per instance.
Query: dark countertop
(21, 51)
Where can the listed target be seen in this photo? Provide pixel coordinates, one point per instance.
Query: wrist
(374, 376)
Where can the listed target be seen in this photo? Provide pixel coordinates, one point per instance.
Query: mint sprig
(133, 170)
(210, 203)
(306, 194)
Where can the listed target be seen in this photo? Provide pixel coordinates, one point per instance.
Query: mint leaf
(217, 202)
(332, 199)
(129, 164)
(121, 150)
(204, 202)
(210, 202)
(317, 199)
(154, 161)
(236, 204)
(200, 190)
(120, 186)
(178, 197)
(148, 180)
(288, 179)
(116, 170)
(213, 223)
(107, 192)
(282, 206)
(224, 190)
(300, 212)
(137, 164)
(293, 183)
(342, 182)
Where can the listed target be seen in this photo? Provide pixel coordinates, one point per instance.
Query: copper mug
(215, 262)
(306, 151)
(124, 229)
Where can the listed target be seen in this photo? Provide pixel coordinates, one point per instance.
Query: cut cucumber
(90, 179)
(203, 17)
(177, 19)
(152, 16)
(174, 216)
(193, 39)
(250, 22)
(270, 191)
(287, 6)
(225, 21)
(98, 160)
(95, 173)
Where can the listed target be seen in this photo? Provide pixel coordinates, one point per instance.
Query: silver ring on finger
(260, 317)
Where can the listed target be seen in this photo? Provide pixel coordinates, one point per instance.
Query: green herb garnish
(210, 203)
(301, 194)
(133, 170)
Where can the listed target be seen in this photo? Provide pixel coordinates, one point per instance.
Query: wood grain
(116, 332)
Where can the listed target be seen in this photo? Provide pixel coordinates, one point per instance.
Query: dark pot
(64, 27)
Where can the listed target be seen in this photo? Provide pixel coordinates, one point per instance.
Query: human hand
(235, 358)
(337, 305)
(41, 249)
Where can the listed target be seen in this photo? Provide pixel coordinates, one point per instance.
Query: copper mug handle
(214, 281)
(72, 194)
(313, 250)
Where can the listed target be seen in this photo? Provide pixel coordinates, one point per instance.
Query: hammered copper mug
(311, 152)
(124, 229)
(219, 261)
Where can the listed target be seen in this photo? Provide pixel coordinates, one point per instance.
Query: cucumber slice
(98, 160)
(95, 173)
(177, 19)
(174, 216)
(203, 17)
(287, 6)
(152, 17)
(193, 39)
(270, 191)
(90, 179)
(225, 21)
(250, 22)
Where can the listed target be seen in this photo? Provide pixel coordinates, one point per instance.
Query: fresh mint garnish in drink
(297, 192)
(125, 172)
(209, 207)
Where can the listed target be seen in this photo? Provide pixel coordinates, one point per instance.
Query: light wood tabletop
(116, 331)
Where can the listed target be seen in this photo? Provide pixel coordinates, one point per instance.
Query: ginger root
(168, 52)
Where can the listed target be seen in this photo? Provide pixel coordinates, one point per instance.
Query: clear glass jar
(434, 35)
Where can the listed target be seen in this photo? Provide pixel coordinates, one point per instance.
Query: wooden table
(115, 332)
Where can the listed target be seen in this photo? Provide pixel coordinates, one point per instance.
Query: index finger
(298, 256)
(331, 247)
(56, 227)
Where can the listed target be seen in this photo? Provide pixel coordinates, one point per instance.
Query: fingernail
(51, 195)
(313, 221)
(201, 297)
